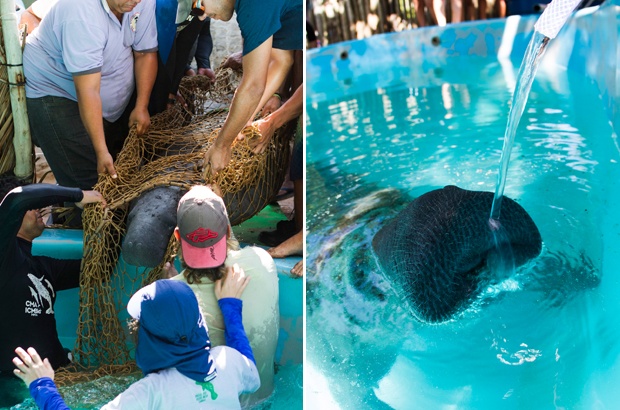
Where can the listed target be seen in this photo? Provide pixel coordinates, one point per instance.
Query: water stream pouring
(546, 28)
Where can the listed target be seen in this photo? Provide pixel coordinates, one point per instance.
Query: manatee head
(435, 250)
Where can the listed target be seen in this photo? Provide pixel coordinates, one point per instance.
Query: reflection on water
(533, 340)
(94, 394)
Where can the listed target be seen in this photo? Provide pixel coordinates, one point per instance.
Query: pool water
(93, 395)
(546, 337)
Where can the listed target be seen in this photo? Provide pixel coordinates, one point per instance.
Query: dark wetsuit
(28, 284)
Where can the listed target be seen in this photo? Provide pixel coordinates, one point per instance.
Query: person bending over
(271, 30)
(82, 65)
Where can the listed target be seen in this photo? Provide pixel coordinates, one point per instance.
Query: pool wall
(587, 44)
(67, 244)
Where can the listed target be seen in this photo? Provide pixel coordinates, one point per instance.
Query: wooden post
(24, 167)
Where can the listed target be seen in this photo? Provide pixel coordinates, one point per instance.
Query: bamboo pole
(21, 138)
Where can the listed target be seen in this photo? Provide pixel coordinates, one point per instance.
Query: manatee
(151, 221)
(437, 249)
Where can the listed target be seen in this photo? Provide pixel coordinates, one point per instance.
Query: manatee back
(435, 249)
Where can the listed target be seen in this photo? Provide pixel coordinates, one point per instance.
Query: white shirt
(169, 389)
(261, 313)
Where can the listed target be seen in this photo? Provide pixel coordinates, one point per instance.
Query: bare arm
(87, 88)
(244, 103)
(268, 125)
(145, 68)
(29, 19)
(280, 64)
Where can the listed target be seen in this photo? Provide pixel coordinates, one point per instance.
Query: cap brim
(202, 258)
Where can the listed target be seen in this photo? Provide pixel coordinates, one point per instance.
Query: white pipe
(554, 17)
(21, 129)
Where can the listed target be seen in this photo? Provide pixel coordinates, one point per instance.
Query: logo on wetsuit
(41, 292)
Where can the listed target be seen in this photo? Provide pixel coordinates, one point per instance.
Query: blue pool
(398, 115)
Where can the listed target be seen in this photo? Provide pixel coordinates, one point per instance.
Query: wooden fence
(341, 20)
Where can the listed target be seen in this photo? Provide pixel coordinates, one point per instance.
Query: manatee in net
(151, 220)
(436, 249)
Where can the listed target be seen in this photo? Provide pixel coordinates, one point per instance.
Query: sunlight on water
(531, 340)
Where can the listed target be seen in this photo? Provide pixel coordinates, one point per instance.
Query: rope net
(171, 154)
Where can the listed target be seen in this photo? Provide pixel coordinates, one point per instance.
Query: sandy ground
(226, 40)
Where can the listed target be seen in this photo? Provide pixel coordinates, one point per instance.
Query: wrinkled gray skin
(436, 249)
(150, 223)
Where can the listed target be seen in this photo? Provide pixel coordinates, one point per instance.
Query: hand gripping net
(171, 154)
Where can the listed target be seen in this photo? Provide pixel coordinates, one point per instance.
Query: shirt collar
(110, 14)
(106, 6)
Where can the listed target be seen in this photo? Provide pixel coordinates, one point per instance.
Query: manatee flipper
(436, 248)
(150, 223)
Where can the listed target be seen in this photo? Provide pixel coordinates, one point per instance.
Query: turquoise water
(95, 394)
(545, 338)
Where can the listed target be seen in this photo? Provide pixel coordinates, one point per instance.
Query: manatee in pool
(436, 249)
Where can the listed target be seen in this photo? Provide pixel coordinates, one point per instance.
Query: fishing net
(171, 154)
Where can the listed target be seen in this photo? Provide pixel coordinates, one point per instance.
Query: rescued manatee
(437, 248)
(151, 220)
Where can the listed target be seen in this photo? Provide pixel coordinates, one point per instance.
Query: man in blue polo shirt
(80, 66)
(271, 30)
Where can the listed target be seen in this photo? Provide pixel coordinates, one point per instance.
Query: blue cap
(172, 331)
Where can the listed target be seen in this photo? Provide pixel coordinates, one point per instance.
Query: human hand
(30, 367)
(216, 189)
(210, 74)
(232, 284)
(272, 104)
(89, 198)
(298, 269)
(234, 61)
(216, 158)
(169, 271)
(175, 98)
(105, 164)
(141, 119)
(266, 130)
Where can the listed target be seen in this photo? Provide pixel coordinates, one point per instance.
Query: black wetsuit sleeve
(66, 273)
(20, 200)
(234, 332)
